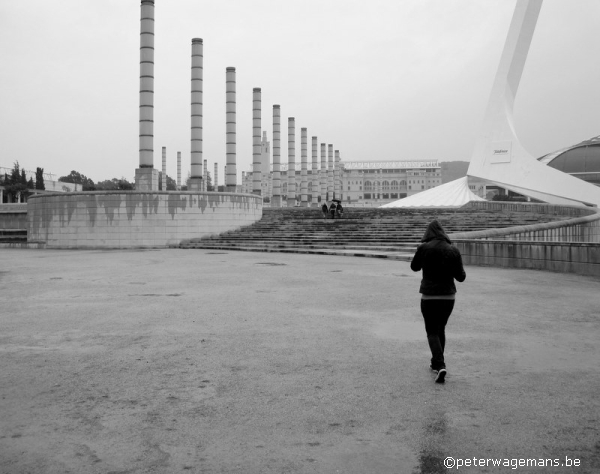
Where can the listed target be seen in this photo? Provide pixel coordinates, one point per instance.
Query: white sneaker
(441, 375)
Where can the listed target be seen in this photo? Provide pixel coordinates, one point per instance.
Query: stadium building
(581, 160)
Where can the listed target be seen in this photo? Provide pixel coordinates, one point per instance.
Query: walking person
(441, 263)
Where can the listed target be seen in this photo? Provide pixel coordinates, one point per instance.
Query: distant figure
(339, 210)
(332, 210)
(441, 263)
(324, 210)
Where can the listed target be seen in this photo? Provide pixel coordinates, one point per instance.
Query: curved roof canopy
(453, 194)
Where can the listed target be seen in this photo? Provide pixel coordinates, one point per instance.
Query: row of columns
(147, 176)
(204, 177)
(326, 182)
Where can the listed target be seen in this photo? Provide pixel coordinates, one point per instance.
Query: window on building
(385, 185)
(368, 185)
(394, 184)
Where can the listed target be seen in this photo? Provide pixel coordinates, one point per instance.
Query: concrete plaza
(169, 361)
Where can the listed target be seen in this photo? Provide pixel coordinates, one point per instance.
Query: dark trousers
(436, 314)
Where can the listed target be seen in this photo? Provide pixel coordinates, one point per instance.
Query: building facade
(359, 183)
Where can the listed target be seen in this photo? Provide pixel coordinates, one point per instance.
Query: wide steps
(13, 235)
(367, 232)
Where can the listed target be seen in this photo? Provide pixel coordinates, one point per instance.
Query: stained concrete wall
(583, 259)
(571, 245)
(537, 208)
(135, 219)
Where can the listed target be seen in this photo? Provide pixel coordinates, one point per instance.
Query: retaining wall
(130, 219)
(13, 216)
(571, 245)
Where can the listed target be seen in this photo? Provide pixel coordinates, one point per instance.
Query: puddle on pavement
(402, 330)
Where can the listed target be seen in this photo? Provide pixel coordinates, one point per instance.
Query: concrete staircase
(366, 232)
(12, 236)
(13, 224)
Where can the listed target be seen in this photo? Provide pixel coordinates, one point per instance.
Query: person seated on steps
(332, 209)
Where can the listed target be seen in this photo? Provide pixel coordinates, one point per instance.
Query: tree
(30, 184)
(106, 185)
(77, 178)
(16, 184)
(39, 178)
(125, 185)
(171, 184)
(114, 184)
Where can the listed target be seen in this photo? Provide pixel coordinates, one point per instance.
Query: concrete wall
(581, 224)
(61, 187)
(571, 245)
(536, 208)
(583, 259)
(13, 216)
(129, 219)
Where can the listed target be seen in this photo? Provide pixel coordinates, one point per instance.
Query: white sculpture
(498, 156)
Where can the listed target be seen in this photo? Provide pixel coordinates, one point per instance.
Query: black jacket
(440, 261)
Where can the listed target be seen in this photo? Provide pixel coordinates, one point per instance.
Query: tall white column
(303, 167)
(178, 171)
(291, 173)
(163, 183)
(329, 171)
(276, 199)
(196, 116)
(256, 143)
(323, 176)
(337, 176)
(316, 186)
(230, 108)
(146, 177)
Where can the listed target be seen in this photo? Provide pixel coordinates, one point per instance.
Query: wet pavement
(203, 361)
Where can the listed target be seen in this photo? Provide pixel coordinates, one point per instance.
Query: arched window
(394, 184)
(402, 183)
(385, 185)
(368, 185)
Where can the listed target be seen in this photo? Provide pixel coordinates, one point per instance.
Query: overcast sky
(378, 79)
